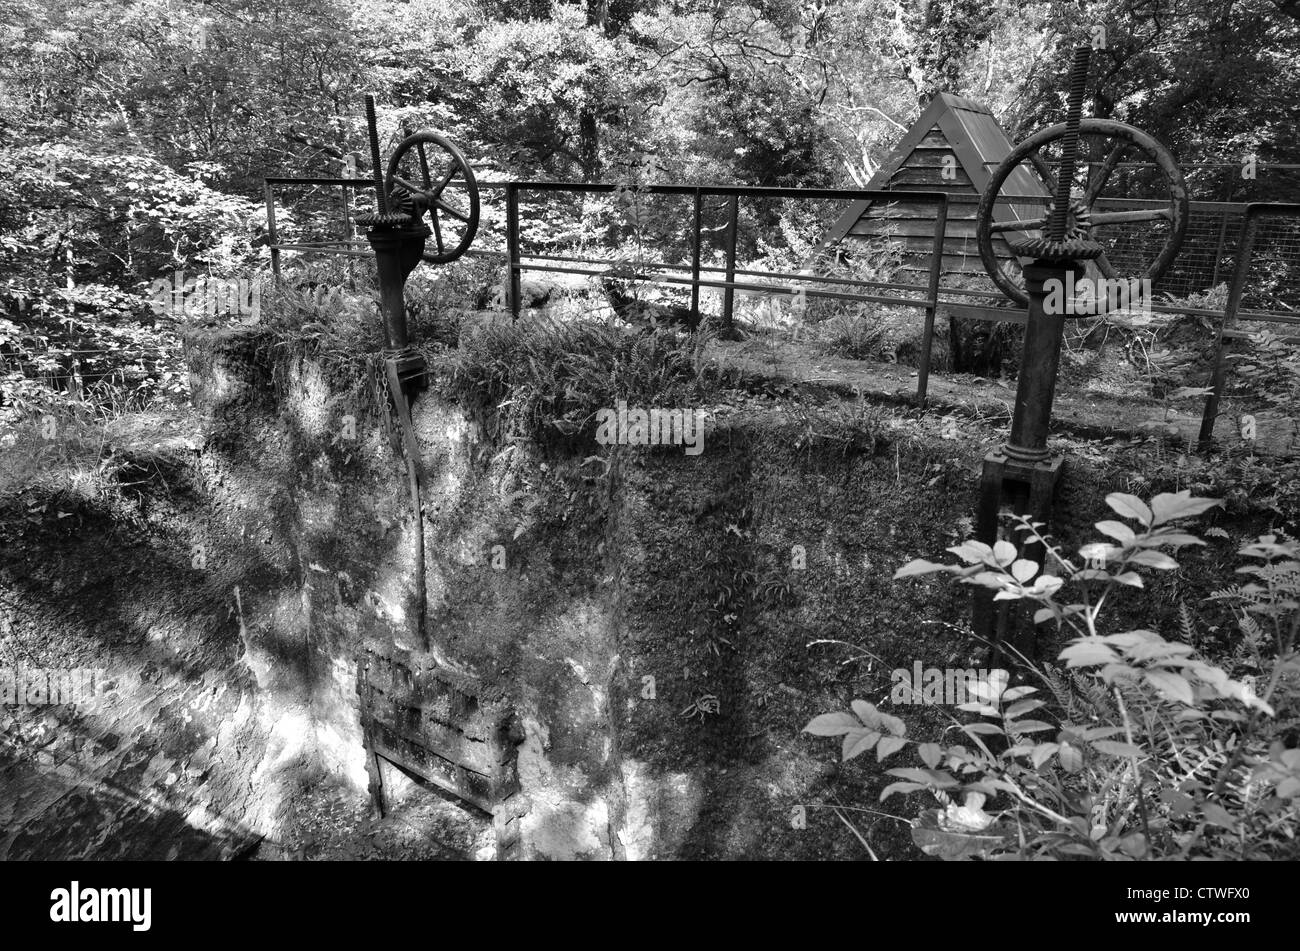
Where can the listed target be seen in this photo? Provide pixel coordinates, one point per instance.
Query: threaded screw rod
(372, 125)
(1070, 143)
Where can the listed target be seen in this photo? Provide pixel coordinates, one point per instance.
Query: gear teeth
(1047, 249)
(383, 219)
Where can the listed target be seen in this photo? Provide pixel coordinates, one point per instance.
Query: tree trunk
(588, 122)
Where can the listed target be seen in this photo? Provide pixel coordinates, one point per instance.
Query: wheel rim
(1128, 140)
(454, 222)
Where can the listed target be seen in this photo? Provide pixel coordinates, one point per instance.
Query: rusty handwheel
(427, 173)
(1103, 143)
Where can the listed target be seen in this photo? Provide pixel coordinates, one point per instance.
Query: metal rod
(759, 290)
(271, 235)
(727, 191)
(377, 174)
(936, 270)
(1218, 252)
(512, 248)
(728, 295)
(1219, 373)
(1070, 142)
(697, 206)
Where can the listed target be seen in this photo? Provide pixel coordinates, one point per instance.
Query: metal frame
(1232, 310)
(935, 294)
(729, 285)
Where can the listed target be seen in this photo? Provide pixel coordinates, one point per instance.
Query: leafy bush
(540, 379)
(1143, 749)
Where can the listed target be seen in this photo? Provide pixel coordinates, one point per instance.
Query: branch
(293, 135)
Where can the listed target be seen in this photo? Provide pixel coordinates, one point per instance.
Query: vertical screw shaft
(1070, 143)
(372, 125)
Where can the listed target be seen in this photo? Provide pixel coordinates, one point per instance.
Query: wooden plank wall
(911, 224)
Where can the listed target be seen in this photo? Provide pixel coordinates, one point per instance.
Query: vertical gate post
(729, 292)
(1218, 375)
(271, 234)
(695, 256)
(512, 247)
(932, 305)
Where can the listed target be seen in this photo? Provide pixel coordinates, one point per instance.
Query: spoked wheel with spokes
(429, 175)
(1127, 194)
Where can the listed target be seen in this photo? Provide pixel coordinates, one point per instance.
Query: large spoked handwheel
(1126, 226)
(428, 173)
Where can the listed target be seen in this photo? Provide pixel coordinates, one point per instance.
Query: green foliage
(541, 380)
(1145, 750)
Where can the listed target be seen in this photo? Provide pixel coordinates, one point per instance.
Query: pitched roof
(972, 133)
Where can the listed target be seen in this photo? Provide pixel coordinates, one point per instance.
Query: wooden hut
(953, 147)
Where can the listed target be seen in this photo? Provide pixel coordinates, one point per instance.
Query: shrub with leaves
(541, 379)
(1138, 749)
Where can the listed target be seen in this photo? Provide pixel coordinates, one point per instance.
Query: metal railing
(517, 261)
(1248, 237)
(1280, 306)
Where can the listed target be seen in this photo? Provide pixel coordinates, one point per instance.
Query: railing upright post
(512, 247)
(698, 202)
(729, 292)
(932, 302)
(1218, 376)
(272, 236)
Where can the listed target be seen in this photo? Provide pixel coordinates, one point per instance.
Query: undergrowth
(545, 381)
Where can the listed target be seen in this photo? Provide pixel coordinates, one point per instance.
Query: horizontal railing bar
(321, 250)
(366, 182)
(762, 290)
(727, 191)
(810, 278)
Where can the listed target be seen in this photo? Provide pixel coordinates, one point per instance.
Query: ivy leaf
(1084, 653)
(857, 742)
(1118, 531)
(919, 566)
(930, 754)
(899, 788)
(1168, 506)
(1030, 726)
(1217, 815)
(938, 842)
(1130, 506)
(1021, 707)
(888, 746)
(971, 551)
(1153, 559)
(866, 712)
(1114, 748)
(1042, 753)
(1172, 539)
(891, 723)
(1022, 569)
(1070, 757)
(1170, 685)
(1015, 693)
(832, 724)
